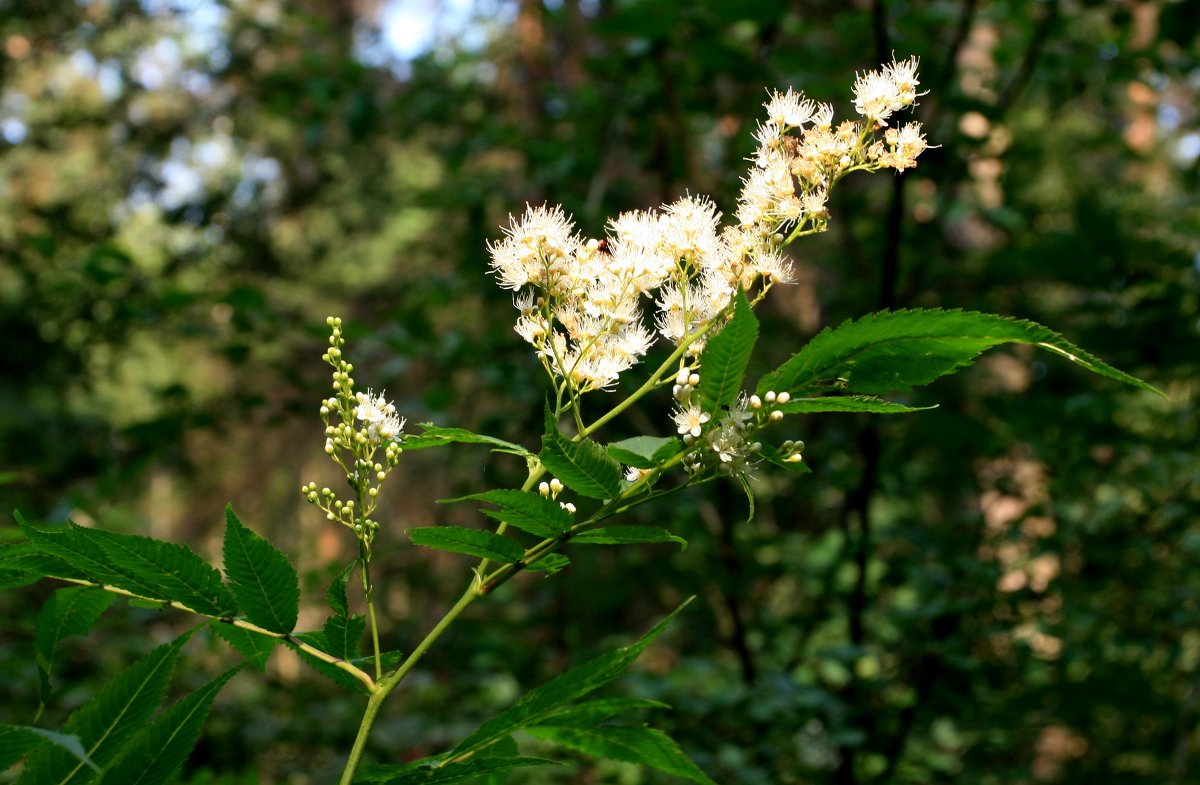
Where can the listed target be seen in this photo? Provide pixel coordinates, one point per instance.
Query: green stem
(389, 683)
(364, 558)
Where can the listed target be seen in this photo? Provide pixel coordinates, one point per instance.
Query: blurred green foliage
(1003, 589)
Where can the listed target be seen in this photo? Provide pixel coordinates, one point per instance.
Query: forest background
(1004, 589)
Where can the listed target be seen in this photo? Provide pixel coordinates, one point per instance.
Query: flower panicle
(358, 426)
(581, 300)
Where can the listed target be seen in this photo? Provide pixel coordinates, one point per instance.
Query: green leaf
(589, 713)
(642, 452)
(898, 350)
(460, 771)
(151, 568)
(529, 512)
(550, 564)
(432, 436)
(174, 571)
(106, 721)
(343, 635)
(543, 701)
(158, 752)
(624, 534)
(472, 542)
(263, 581)
(584, 466)
(646, 746)
(254, 646)
(846, 403)
(725, 357)
(70, 611)
(17, 741)
(336, 594)
(23, 563)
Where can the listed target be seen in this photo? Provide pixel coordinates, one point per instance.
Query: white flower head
(690, 420)
(790, 109)
(379, 417)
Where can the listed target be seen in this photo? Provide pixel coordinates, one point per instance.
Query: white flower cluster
(801, 154)
(580, 302)
(380, 421)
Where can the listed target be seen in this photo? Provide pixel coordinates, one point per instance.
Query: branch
(245, 625)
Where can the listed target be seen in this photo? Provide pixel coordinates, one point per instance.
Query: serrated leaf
(254, 646)
(593, 712)
(432, 436)
(23, 563)
(70, 611)
(502, 748)
(550, 564)
(583, 466)
(155, 756)
(529, 512)
(17, 741)
(459, 771)
(898, 350)
(106, 721)
(472, 542)
(725, 357)
(645, 746)
(343, 635)
(151, 568)
(641, 452)
(263, 580)
(174, 571)
(846, 403)
(336, 594)
(625, 534)
(542, 701)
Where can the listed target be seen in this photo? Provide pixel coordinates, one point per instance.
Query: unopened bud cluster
(552, 489)
(361, 436)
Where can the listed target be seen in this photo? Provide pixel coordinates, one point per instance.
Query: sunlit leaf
(898, 350)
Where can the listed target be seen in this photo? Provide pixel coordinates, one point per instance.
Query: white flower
(790, 109)
(379, 416)
(875, 96)
(906, 144)
(690, 421)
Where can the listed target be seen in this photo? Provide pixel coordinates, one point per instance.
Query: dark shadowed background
(1004, 589)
